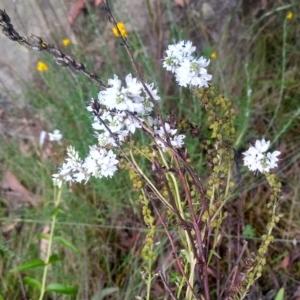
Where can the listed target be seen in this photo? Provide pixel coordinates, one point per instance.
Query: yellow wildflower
(122, 29)
(41, 66)
(213, 55)
(289, 15)
(66, 42)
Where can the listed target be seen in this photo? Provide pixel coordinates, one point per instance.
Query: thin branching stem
(166, 285)
(245, 243)
(172, 245)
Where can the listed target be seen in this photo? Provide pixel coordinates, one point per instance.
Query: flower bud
(55, 52)
(37, 43)
(79, 66)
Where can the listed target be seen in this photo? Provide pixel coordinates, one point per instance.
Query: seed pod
(60, 61)
(21, 40)
(93, 76)
(36, 43)
(54, 51)
(95, 105)
(4, 17)
(79, 66)
(7, 25)
(36, 39)
(69, 60)
(1, 15)
(36, 47)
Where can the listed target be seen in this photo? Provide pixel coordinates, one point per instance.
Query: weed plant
(177, 221)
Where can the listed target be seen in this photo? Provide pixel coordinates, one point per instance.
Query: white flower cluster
(115, 102)
(256, 158)
(119, 111)
(99, 163)
(189, 71)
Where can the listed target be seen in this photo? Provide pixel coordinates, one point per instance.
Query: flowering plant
(195, 206)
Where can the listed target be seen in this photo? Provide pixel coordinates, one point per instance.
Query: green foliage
(31, 264)
(280, 294)
(249, 231)
(61, 289)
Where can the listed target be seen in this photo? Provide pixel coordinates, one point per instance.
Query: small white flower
(57, 180)
(81, 176)
(152, 90)
(167, 129)
(262, 146)
(193, 73)
(177, 53)
(256, 158)
(134, 87)
(42, 138)
(55, 136)
(177, 140)
(132, 124)
(105, 139)
(153, 122)
(272, 159)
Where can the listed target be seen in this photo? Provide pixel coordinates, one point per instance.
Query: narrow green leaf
(32, 282)
(31, 264)
(280, 294)
(61, 289)
(215, 253)
(104, 293)
(55, 211)
(65, 243)
(53, 258)
(43, 236)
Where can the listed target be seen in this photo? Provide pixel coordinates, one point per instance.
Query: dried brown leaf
(74, 11)
(97, 2)
(288, 260)
(77, 8)
(15, 191)
(180, 2)
(285, 262)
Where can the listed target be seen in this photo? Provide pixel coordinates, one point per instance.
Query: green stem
(154, 189)
(186, 240)
(50, 240)
(149, 279)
